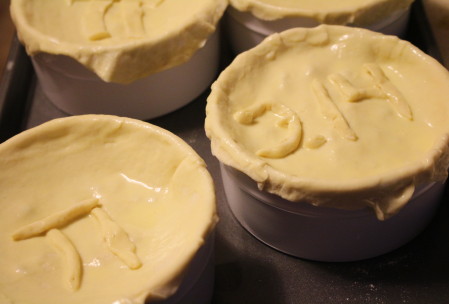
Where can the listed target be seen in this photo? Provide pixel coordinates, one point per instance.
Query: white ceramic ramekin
(325, 234)
(246, 31)
(76, 90)
(273, 116)
(144, 233)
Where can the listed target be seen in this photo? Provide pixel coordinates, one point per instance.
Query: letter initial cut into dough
(382, 88)
(288, 120)
(116, 238)
(131, 11)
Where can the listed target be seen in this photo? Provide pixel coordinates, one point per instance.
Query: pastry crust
(347, 12)
(119, 43)
(124, 205)
(360, 93)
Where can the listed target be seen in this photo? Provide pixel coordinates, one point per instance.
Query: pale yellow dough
(120, 40)
(373, 115)
(342, 12)
(99, 209)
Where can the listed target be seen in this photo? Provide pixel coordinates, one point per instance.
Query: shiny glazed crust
(361, 13)
(386, 194)
(127, 60)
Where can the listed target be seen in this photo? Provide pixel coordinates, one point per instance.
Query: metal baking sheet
(246, 270)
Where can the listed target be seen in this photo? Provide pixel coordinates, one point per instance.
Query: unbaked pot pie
(331, 119)
(119, 57)
(249, 21)
(104, 209)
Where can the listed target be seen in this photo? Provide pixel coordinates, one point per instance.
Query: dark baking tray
(247, 271)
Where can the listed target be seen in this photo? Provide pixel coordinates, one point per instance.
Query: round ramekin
(296, 177)
(245, 30)
(325, 234)
(76, 90)
(71, 171)
(138, 59)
